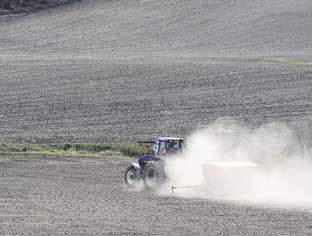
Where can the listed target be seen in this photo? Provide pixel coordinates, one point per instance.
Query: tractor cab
(166, 146)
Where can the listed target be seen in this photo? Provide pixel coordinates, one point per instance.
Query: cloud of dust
(227, 161)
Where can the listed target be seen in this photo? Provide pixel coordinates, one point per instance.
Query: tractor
(151, 168)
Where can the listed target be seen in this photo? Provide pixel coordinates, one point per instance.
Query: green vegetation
(285, 62)
(76, 149)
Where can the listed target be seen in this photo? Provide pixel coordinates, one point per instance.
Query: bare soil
(87, 196)
(114, 71)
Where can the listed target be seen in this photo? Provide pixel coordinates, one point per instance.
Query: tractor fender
(136, 166)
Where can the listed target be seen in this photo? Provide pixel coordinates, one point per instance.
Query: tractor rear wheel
(153, 175)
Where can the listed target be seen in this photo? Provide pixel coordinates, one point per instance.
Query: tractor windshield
(175, 146)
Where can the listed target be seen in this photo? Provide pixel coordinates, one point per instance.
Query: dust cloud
(228, 161)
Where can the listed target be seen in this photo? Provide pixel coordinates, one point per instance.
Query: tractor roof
(160, 139)
(169, 138)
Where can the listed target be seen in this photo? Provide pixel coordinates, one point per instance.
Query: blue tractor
(151, 168)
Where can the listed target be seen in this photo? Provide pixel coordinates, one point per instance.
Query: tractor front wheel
(132, 178)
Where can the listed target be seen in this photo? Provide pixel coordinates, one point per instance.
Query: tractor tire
(132, 178)
(153, 175)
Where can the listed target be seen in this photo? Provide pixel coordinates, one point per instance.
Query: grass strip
(282, 61)
(76, 149)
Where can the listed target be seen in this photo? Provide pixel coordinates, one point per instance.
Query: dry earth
(118, 70)
(87, 196)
